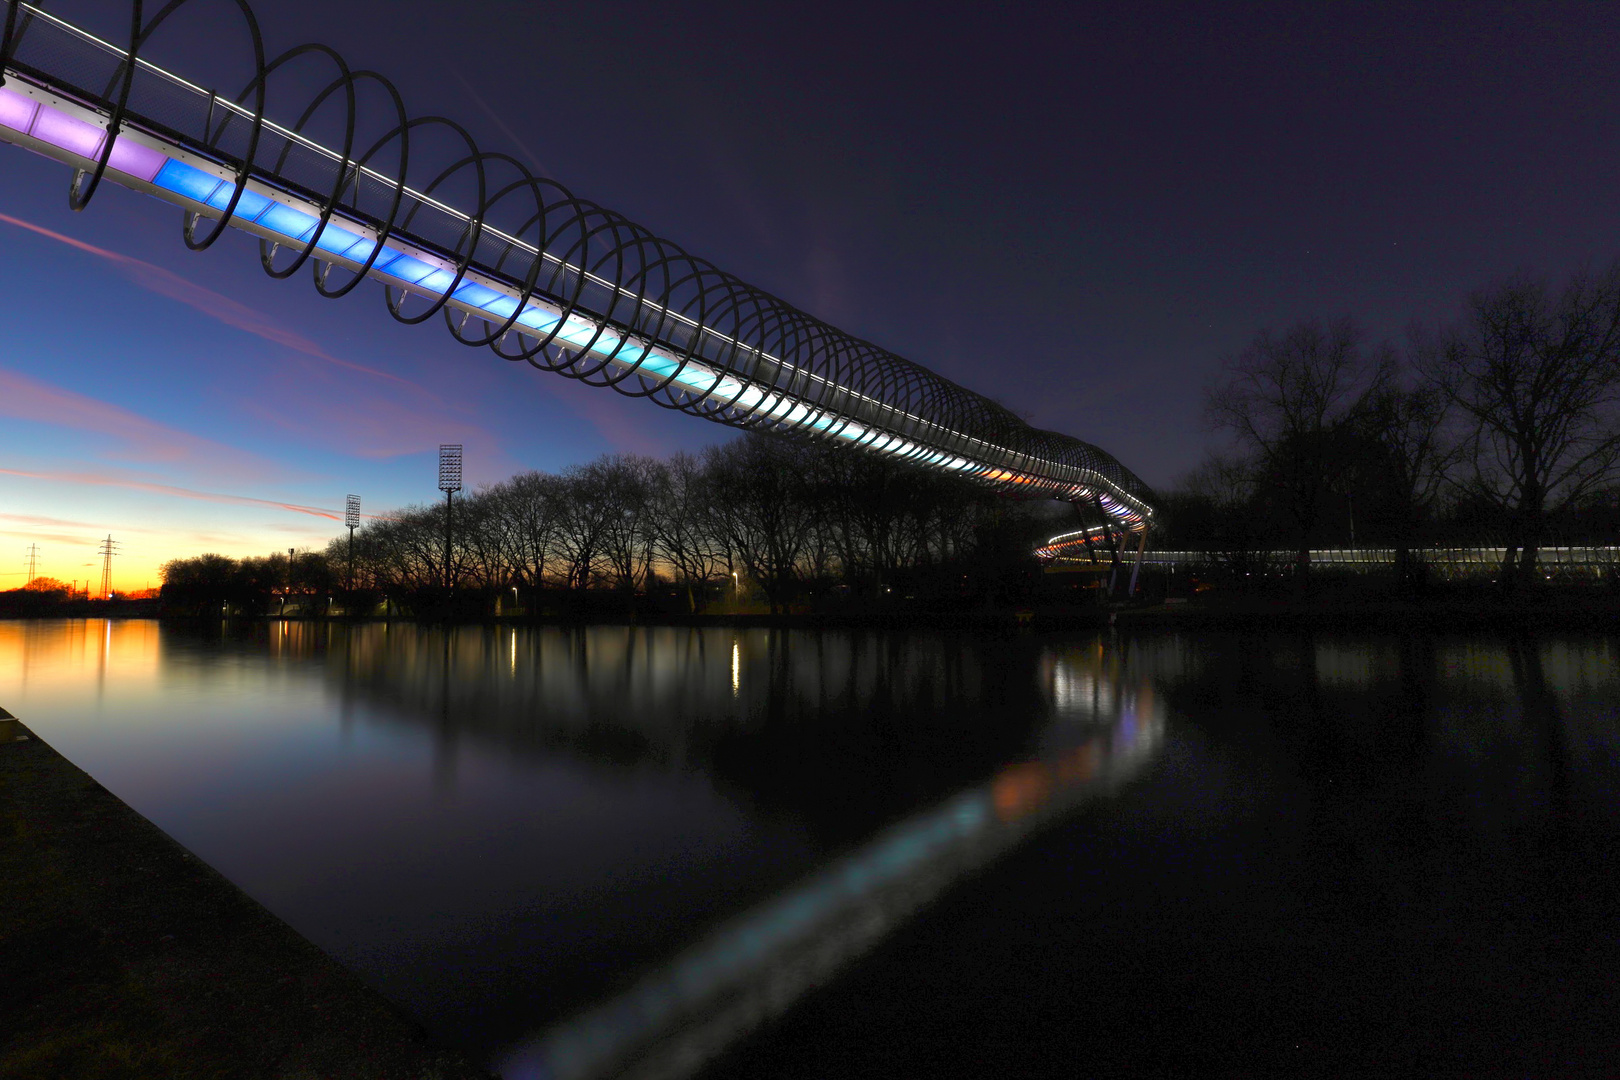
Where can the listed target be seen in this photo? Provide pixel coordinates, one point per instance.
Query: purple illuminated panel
(16, 111)
(138, 161)
(61, 130)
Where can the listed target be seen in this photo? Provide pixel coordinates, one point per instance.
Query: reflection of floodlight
(449, 483)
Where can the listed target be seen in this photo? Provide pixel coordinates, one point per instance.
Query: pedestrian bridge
(1085, 547)
(350, 184)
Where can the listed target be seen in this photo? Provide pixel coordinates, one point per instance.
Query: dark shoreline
(127, 955)
(1585, 610)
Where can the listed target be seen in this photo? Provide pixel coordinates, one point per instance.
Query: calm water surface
(502, 829)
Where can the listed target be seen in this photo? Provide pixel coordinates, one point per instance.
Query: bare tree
(761, 509)
(1213, 508)
(679, 516)
(480, 542)
(625, 483)
(1536, 374)
(1413, 455)
(528, 513)
(1283, 398)
(583, 508)
(403, 553)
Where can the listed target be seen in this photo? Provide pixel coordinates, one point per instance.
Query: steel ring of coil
(593, 263)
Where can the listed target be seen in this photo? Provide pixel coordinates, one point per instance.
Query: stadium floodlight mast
(351, 518)
(449, 483)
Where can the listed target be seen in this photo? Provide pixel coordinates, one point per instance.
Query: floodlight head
(450, 467)
(351, 513)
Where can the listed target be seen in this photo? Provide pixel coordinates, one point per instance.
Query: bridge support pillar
(1141, 549)
(1113, 548)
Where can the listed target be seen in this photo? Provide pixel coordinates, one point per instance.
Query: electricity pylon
(108, 547)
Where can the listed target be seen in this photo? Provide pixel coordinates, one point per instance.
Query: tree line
(1501, 429)
(48, 596)
(791, 522)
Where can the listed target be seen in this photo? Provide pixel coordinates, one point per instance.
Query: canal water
(560, 847)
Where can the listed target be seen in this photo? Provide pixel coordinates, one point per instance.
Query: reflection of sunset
(64, 654)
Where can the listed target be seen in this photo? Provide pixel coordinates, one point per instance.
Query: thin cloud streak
(215, 305)
(55, 538)
(623, 433)
(168, 489)
(27, 398)
(34, 519)
(310, 404)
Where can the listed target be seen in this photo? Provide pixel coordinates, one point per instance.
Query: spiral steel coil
(523, 266)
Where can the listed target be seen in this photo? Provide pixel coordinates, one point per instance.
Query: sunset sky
(1076, 210)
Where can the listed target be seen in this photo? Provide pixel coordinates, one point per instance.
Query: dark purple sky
(1075, 209)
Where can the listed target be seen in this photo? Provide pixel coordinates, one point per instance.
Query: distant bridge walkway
(1600, 561)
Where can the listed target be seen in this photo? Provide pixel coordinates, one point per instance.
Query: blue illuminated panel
(185, 181)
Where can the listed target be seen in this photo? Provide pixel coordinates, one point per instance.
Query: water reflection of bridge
(992, 741)
(1105, 726)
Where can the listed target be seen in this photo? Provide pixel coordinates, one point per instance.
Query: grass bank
(127, 956)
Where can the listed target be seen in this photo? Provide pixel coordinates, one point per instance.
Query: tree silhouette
(1536, 374)
(1286, 399)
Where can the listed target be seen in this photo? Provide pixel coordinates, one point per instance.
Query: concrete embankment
(125, 955)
